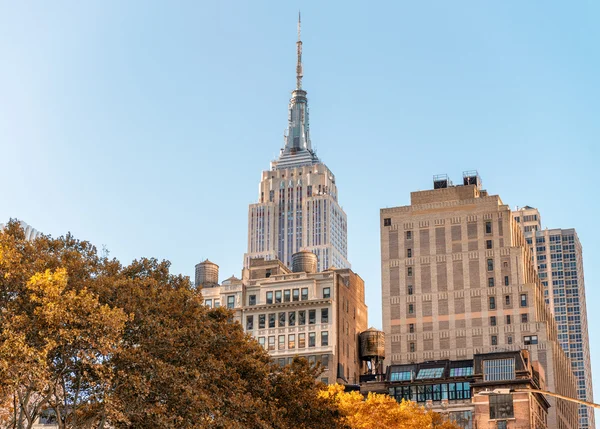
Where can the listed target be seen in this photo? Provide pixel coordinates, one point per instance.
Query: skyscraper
(298, 200)
(458, 280)
(558, 256)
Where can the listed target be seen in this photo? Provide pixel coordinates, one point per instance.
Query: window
(326, 292)
(411, 328)
(268, 273)
(492, 320)
(411, 347)
(304, 294)
(208, 303)
(492, 303)
(231, 301)
(501, 424)
(261, 321)
(277, 296)
(296, 295)
(409, 235)
(281, 342)
(508, 319)
(530, 339)
(302, 317)
(249, 323)
(494, 340)
(271, 343)
(409, 253)
(509, 339)
(301, 341)
(387, 221)
(501, 407)
(324, 315)
(292, 341)
(217, 303)
(325, 361)
(271, 320)
(312, 360)
(488, 244)
(524, 318)
(430, 373)
(312, 317)
(506, 281)
(286, 295)
(401, 376)
(488, 227)
(523, 300)
(292, 318)
(281, 319)
(269, 297)
(325, 380)
(411, 309)
(490, 265)
(507, 300)
(498, 369)
(491, 282)
(324, 338)
(261, 341)
(461, 372)
(312, 339)
(410, 289)
(409, 271)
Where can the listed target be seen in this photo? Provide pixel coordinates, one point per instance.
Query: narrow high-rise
(298, 200)
(558, 257)
(458, 279)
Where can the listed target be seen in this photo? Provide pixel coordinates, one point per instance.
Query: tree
(378, 411)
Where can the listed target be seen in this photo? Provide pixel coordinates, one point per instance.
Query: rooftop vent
(441, 181)
(472, 178)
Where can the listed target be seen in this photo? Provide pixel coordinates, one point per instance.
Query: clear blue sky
(144, 126)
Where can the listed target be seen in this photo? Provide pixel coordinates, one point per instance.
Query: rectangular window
(261, 341)
(324, 315)
(492, 320)
(387, 221)
(411, 328)
(491, 282)
(409, 235)
(523, 300)
(302, 317)
(296, 295)
(411, 347)
(271, 320)
(499, 369)
(271, 343)
(304, 294)
(261, 321)
(508, 319)
(217, 303)
(286, 295)
(277, 296)
(506, 281)
(312, 339)
(488, 244)
(409, 253)
(282, 319)
(411, 309)
(409, 271)
(530, 340)
(325, 361)
(231, 301)
(301, 341)
(292, 341)
(492, 303)
(312, 317)
(269, 297)
(494, 340)
(524, 318)
(249, 323)
(501, 424)
(252, 300)
(490, 265)
(488, 227)
(281, 342)
(509, 339)
(507, 300)
(410, 289)
(326, 292)
(501, 407)
(208, 303)
(291, 318)
(324, 338)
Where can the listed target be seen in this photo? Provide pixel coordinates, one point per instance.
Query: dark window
(411, 328)
(501, 407)
(269, 297)
(411, 308)
(492, 320)
(488, 244)
(507, 300)
(326, 292)
(324, 315)
(268, 273)
(312, 339)
(409, 271)
(490, 265)
(410, 289)
(501, 424)
(411, 347)
(324, 338)
(252, 300)
(488, 227)
(492, 303)
(409, 253)
(524, 318)
(523, 300)
(304, 294)
(506, 281)
(494, 340)
(302, 317)
(292, 318)
(286, 295)
(325, 361)
(271, 320)
(312, 317)
(231, 301)
(509, 339)
(282, 319)
(249, 323)
(409, 235)
(491, 282)
(508, 319)
(387, 221)
(261, 321)
(296, 295)
(277, 296)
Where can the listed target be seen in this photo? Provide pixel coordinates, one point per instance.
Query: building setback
(558, 257)
(458, 280)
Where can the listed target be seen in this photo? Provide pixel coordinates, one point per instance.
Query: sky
(144, 126)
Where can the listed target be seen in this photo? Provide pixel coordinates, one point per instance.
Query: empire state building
(298, 200)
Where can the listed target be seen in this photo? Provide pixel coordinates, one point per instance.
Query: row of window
(288, 295)
(283, 319)
(216, 303)
(312, 360)
(491, 302)
(268, 343)
(524, 319)
(432, 392)
(528, 340)
(490, 267)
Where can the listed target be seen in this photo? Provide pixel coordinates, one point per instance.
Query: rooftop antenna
(299, 63)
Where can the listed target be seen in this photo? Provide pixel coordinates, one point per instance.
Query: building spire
(299, 64)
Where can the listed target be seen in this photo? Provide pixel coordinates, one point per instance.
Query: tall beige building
(458, 280)
(558, 257)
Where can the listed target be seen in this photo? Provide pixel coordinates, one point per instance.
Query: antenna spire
(299, 64)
